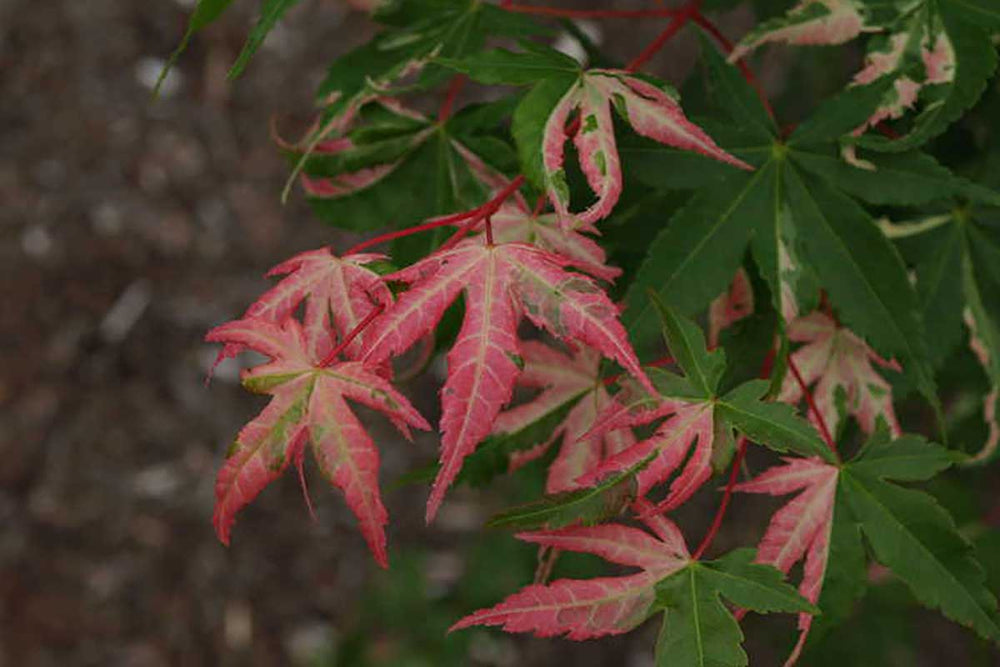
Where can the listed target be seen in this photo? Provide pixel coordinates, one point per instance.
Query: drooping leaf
(564, 379)
(308, 404)
(582, 609)
(810, 22)
(802, 528)
(839, 364)
(650, 110)
(271, 12)
(502, 283)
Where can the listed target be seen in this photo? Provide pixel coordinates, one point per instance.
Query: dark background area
(129, 228)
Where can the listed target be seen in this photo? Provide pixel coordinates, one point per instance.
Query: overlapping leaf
(697, 429)
(336, 292)
(562, 380)
(839, 364)
(802, 528)
(308, 404)
(542, 124)
(502, 284)
(582, 609)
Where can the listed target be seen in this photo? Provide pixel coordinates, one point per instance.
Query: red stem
(456, 85)
(558, 12)
(727, 46)
(741, 450)
(489, 231)
(354, 333)
(680, 18)
(476, 215)
(399, 233)
(823, 430)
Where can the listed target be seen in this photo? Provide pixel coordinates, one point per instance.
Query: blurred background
(129, 228)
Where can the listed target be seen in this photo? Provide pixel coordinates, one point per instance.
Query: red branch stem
(720, 514)
(354, 333)
(680, 18)
(474, 215)
(813, 408)
(559, 12)
(727, 46)
(454, 88)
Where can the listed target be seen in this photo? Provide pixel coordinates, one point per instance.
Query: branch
(558, 12)
(820, 422)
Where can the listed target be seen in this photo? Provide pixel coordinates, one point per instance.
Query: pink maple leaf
(839, 364)
(800, 529)
(308, 404)
(586, 608)
(337, 292)
(650, 111)
(563, 378)
(515, 222)
(502, 283)
(687, 434)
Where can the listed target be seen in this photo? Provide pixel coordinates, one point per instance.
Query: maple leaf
(582, 609)
(730, 307)
(564, 379)
(514, 221)
(502, 283)
(810, 22)
(891, 59)
(840, 365)
(308, 404)
(338, 292)
(649, 110)
(696, 433)
(800, 529)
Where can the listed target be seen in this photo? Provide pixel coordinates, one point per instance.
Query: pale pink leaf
(730, 307)
(839, 363)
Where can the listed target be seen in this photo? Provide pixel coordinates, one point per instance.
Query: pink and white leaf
(836, 361)
(811, 22)
(800, 529)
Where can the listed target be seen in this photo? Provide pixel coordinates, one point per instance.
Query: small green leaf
(270, 13)
(205, 13)
(909, 458)
(703, 369)
(500, 66)
(773, 424)
(750, 585)
(584, 506)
